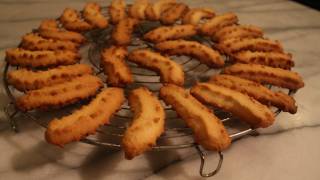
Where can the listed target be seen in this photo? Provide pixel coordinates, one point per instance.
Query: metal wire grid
(176, 135)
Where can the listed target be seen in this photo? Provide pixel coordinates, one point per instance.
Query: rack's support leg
(13, 123)
(11, 119)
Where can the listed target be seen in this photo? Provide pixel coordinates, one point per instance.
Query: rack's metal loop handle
(202, 157)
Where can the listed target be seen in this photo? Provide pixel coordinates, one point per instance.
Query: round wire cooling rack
(176, 136)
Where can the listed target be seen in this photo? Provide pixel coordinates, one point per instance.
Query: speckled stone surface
(290, 149)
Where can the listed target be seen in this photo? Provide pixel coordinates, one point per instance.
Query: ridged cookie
(173, 14)
(194, 49)
(147, 124)
(137, 10)
(238, 31)
(122, 31)
(24, 80)
(164, 33)
(45, 58)
(194, 16)
(86, 120)
(208, 130)
(259, 92)
(234, 45)
(92, 14)
(71, 20)
(273, 59)
(48, 24)
(170, 71)
(34, 42)
(216, 23)
(63, 35)
(153, 11)
(241, 105)
(117, 10)
(266, 75)
(115, 67)
(59, 95)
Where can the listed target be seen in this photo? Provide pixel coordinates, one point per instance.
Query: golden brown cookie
(92, 14)
(273, 59)
(170, 71)
(122, 32)
(238, 31)
(86, 120)
(165, 33)
(23, 79)
(45, 58)
(137, 10)
(266, 75)
(208, 130)
(117, 10)
(241, 105)
(115, 67)
(194, 49)
(259, 92)
(153, 11)
(173, 14)
(195, 15)
(63, 35)
(48, 24)
(231, 46)
(147, 124)
(59, 95)
(216, 23)
(71, 20)
(34, 42)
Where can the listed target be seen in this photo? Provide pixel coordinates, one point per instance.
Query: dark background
(311, 3)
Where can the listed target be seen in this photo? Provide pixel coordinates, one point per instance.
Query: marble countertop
(287, 150)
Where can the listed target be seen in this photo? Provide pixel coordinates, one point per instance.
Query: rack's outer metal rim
(95, 142)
